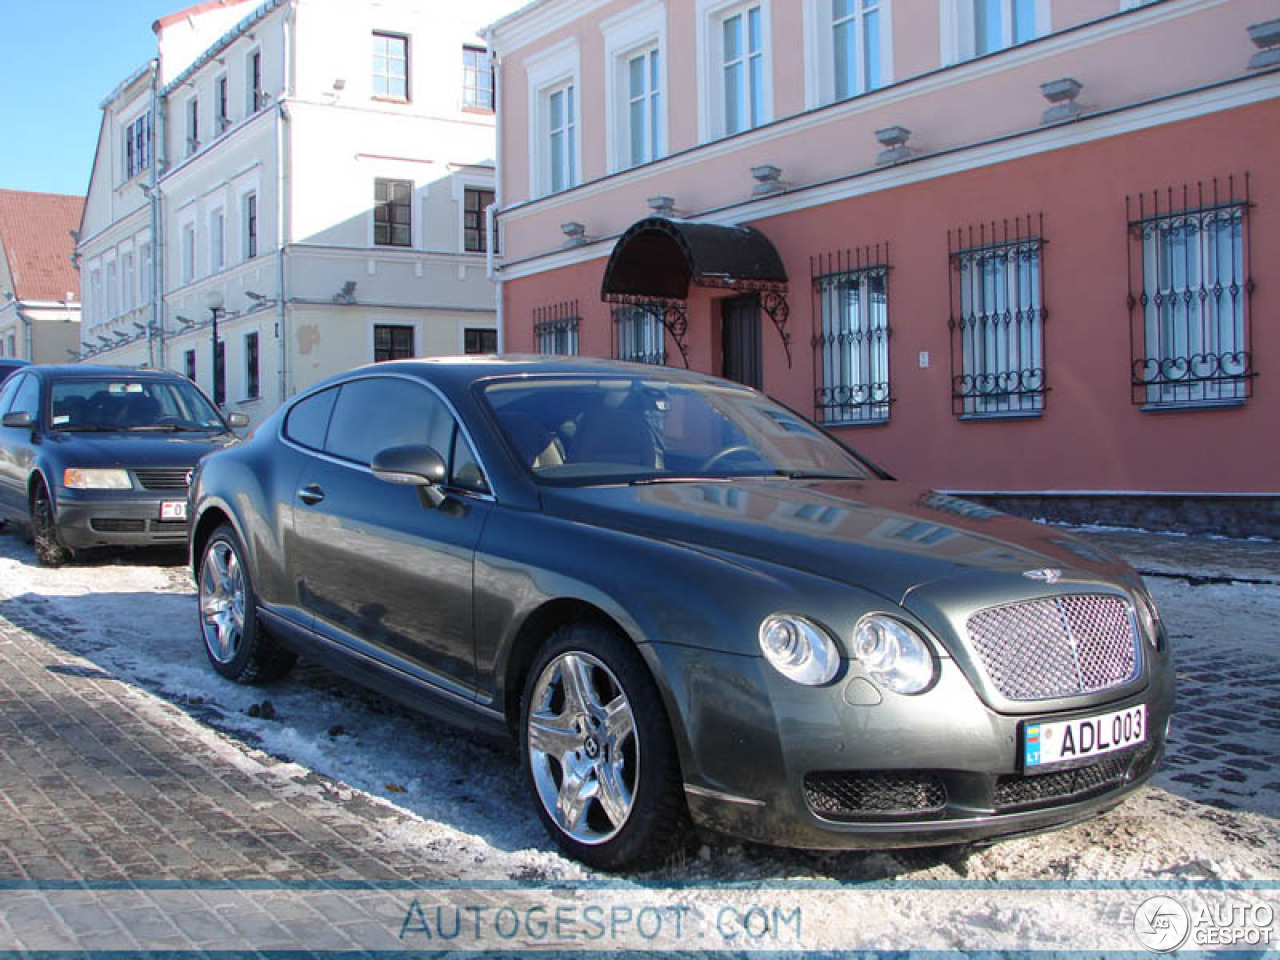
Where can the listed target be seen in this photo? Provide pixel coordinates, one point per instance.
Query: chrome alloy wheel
(222, 601)
(583, 749)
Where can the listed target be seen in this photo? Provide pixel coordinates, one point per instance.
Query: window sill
(482, 111)
(1003, 415)
(1197, 406)
(842, 424)
(397, 100)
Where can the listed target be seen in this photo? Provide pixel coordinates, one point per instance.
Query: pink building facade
(1016, 248)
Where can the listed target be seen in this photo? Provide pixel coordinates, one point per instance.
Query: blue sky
(61, 59)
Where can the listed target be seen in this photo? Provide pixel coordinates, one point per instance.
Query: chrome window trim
(364, 468)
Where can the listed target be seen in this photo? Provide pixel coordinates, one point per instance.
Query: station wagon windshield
(120, 404)
(585, 430)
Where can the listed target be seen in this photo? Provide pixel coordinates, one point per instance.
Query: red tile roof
(192, 11)
(35, 232)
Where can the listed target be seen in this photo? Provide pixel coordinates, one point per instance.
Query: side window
(8, 391)
(27, 399)
(466, 472)
(308, 421)
(374, 414)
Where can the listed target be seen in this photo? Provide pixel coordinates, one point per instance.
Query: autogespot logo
(1162, 924)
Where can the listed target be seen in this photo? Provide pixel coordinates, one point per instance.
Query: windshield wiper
(86, 428)
(645, 481)
(818, 475)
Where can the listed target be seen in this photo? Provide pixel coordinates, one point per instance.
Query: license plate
(173, 510)
(1047, 744)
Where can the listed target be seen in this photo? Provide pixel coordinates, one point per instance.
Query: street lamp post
(213, 300)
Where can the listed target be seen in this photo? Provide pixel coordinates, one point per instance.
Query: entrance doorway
(742, 347)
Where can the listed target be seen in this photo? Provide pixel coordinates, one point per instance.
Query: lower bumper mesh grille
(117, 525)
(1016, 792)
(875, 793)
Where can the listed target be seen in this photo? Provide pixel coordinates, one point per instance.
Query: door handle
(311, 494)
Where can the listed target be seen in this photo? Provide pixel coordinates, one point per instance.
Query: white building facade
(310, 176)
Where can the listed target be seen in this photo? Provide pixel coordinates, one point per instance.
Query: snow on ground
(133, 615)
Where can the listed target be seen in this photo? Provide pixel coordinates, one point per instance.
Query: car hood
(883, 536)
(127, 449)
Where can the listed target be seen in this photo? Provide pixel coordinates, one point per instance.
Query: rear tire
(44, 530)
(236, 645)
(598, 754)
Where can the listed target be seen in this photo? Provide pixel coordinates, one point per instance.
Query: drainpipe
(155, 327)
(282, 208)
(491, 214)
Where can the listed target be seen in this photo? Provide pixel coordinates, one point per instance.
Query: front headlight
(799, 649)
(79, 478)
(1149, 617)
(895, 655)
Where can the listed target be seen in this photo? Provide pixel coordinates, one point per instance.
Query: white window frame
(243, 206)
(221, 101)
(819, 51)
(146, 268)
(187, 251)
(552, 71)
(244, 364)
(128, 281)
(144, 162)
(250, 94)
(958, 28)
(711, 15)
(96, 309)
(112, 275)
(191, 110)
(626, 36)
(460, 188)
(373, 323)
(217, 239)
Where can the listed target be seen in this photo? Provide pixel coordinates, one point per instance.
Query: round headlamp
(896, 657)
(799, 649)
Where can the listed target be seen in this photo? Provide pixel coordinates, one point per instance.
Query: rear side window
(374, 414)
(308, 421)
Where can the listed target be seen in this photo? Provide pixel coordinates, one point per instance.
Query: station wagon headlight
(894, 655)
(80, 478)
(799, 649)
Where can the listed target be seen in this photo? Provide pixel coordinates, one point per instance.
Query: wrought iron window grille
(851, 335)
(555, 328)
(997, 319)
(1190, 286)
(674, 313)
(639, 332)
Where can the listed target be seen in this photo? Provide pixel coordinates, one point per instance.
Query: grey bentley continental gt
(686, 603)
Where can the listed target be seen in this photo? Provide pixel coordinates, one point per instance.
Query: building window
(220, 373)
(480, 340)
(250, 226)
(393, 213)
(253, 82)
(252, 387)
(113, 291)
(855, 38)
(643, 124)
(217, 241)
(474, 235)
(193, 126)
(997, 320)
(145, 266)
(555, 329)
(1189, 306)
(639, 334)
(188, 252)
(1002, 23)
(390, 66)
(562, 147)
(221, 106)
(95, 296)
(852, 350)
(189, 364)
(391, 342)
(741, 63)
(477, 80)
(137, 146)
(128, 283)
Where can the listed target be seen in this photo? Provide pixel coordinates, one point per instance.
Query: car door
(19, 393)
(378, 566)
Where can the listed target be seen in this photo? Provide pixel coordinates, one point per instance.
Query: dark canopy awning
(659, 258)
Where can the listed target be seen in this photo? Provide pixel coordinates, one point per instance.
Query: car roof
(459, 372)
(68, 371)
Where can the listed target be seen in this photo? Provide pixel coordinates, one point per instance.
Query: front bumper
(88, 518)
(753, 744)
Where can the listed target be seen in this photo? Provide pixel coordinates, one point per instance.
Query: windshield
(121, 404)
(585, 430)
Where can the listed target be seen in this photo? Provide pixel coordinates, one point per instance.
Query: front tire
(44, 530)
(598, 754)
(228, 609)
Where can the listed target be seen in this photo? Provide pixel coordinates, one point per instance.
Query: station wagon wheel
(237, 647)
(598, 753)
(44, 530)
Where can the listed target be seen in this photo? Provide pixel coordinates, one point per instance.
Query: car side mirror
(19, 419)
(416, 465)
(238, 420)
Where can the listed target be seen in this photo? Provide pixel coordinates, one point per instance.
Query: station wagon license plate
(1050, 744)
(173, 510)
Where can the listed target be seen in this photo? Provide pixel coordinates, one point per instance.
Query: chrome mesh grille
(1057, 647)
